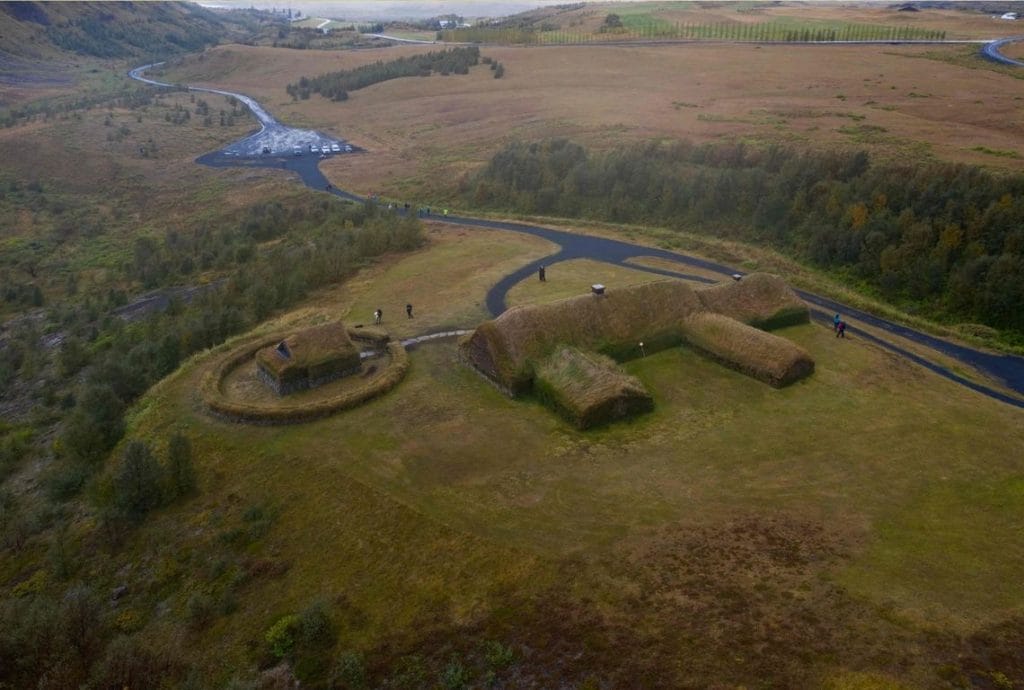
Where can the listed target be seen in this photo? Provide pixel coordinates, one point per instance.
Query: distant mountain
(40, 30)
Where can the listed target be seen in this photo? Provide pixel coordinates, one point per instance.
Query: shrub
(315, 626)
(137, 481)
(181, 476)
(498, 655)
(95, 425)
(349, 672)
(65, 479)
(281, 636)
(199, 610)
(455, 675)
(80, 620)
(410, 673)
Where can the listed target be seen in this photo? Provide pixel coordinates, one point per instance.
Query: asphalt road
(1008, 369)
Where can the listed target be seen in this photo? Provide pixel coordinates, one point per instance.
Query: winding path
(1008, 369)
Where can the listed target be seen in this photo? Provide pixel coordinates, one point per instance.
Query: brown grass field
(898, 102)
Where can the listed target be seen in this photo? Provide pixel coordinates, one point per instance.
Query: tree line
(336, 85)
(942, 239)
(642, 28)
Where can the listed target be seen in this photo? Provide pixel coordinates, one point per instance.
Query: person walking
(408, 310)
(841, 330)
(542, 275)
(835, 322)
(378, 316)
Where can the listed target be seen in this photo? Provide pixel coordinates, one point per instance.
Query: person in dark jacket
(841, 330)
(408, 310)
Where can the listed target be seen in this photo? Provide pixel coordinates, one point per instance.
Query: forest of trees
(336, 85)
(942, 239)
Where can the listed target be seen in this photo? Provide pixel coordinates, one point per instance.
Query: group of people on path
(839, 326)
(424, 212)
(378, 314)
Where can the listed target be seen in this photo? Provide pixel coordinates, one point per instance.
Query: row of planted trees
(943, 239)
(336, 85)
(766, 32)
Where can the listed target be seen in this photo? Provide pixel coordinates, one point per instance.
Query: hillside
(50, 50)
(44, 31)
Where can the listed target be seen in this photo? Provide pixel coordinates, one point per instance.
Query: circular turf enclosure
(233, 388)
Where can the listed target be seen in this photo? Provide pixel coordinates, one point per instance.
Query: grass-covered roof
(508, 348)
(309, 350)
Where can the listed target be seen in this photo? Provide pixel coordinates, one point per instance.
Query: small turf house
(307, 359)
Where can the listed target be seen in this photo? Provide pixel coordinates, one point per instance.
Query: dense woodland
(336, 85)
(943, 239)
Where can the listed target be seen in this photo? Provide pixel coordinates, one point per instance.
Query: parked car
(335, 147)
(297, 150)
(325, 149)
(313, 148)
(348, 148)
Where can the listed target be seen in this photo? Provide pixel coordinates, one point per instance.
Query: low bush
(348, 673)
(281, 636)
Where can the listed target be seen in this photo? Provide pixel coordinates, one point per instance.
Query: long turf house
(552, 349)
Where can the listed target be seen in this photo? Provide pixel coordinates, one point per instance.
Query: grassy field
(423, 134)
(882, 500)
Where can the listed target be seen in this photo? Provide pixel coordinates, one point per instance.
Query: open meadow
(900, 103)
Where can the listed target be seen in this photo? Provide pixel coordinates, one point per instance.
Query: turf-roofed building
(308, 358)
(524, 347)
